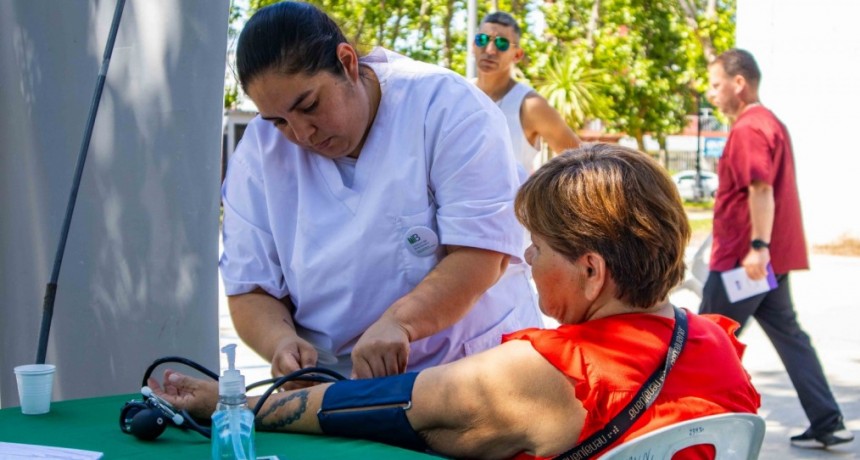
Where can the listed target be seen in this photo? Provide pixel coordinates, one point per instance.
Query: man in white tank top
(530, 117)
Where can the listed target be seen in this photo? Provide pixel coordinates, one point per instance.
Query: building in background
(235, 122)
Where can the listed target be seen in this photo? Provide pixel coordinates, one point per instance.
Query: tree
(650, 57)
(573, 88)
(638, 65)
(421, 29)
(231, 87)
(708, 19)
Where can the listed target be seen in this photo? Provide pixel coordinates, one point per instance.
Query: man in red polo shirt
(757, 222)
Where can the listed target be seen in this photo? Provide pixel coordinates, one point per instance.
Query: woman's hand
(198, 397)
(382, 350)
(291, 354)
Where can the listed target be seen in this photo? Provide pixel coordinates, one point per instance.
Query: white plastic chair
(735, 436)
(697, 269)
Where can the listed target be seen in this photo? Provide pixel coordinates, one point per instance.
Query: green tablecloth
(93, 424)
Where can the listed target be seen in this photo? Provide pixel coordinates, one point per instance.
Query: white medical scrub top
(433, 165)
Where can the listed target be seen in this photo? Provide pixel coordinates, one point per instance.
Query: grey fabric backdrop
(138, 280)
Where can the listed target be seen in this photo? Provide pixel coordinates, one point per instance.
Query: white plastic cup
(35, 385)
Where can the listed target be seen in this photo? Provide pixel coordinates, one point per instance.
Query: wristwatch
(758, 244)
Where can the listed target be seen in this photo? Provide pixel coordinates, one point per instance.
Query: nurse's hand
(291, 354)
(382, 350)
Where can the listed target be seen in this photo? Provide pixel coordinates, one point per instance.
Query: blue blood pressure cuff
(372, 409)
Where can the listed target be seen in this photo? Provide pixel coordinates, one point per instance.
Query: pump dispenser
(232, 421)
(232, 382)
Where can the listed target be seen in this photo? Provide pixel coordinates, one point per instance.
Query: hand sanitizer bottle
(232, 421)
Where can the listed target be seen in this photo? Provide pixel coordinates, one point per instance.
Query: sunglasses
(502, 43)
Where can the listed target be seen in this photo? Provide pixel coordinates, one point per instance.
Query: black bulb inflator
(146, 419)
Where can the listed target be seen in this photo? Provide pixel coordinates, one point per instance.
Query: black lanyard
(622, 422)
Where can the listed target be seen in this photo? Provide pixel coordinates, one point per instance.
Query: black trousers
(774, 311)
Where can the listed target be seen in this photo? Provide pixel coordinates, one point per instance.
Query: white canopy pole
(471, 29)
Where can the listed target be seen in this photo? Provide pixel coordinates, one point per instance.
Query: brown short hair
(616, 202)
(739, 62)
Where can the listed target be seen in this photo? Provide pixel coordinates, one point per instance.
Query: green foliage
(704, 205)
(234, 16)
(573, 88)
(649, 55)
(716, 30)
(231, 88)
(698, 226)
(231, 96)
(637, 65)
(642, 46)
(421, 29)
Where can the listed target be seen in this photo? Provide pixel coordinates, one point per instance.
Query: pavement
(830, 314)
(829, 311)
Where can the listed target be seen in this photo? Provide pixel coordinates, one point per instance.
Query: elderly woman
(608, 232)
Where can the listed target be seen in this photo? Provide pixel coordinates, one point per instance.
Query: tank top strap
(514, 97)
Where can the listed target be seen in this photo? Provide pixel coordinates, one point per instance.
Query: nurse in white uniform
(368, 220)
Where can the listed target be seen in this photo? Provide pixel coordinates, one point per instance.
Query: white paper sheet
(739, 286)
(15, 451)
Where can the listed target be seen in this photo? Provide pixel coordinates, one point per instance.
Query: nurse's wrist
(276, 339)
(391, 317)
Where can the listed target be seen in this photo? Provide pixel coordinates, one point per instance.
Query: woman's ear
(348, 58)
(594, 266)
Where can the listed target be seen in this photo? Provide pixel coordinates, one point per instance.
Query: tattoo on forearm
(268, 420)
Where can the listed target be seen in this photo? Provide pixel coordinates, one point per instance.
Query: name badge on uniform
(422, 241)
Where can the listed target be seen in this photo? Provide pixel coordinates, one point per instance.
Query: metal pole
(698, 193)
(471, 29)
(51, 288)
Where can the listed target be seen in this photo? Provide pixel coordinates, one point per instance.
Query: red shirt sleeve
(757, 161)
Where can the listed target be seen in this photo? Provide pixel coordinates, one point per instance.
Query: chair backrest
(697, 268)
(699, 265)
(735, 436)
